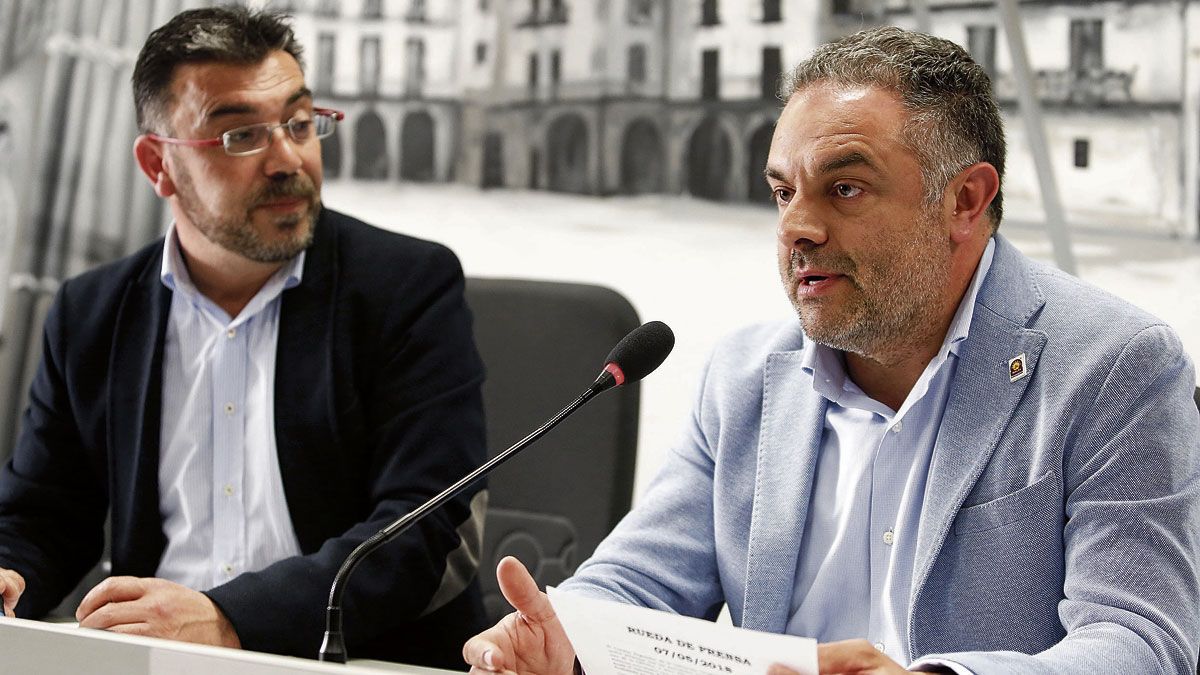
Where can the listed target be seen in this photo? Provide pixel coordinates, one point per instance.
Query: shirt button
(228, 408)
(880, 646)
(898, 427)
(228, 490)
(227, 569)
(231, 333)
(889, 537)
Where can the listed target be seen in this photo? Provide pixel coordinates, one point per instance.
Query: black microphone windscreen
(642, 350)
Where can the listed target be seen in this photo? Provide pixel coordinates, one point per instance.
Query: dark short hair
(230, 34)
(954, 120)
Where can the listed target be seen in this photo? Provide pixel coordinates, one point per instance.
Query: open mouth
(814, 285)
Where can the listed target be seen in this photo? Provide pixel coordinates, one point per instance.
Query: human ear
(152, 162)
(971, 193)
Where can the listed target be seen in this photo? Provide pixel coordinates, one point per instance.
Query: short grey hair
(231, 34)
(954, 120)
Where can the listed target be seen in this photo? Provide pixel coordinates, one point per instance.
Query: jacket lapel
(969, 431)
(134, 406)
(792, 424)
(305, 423)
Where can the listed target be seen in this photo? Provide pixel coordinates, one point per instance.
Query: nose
(801, 225)
(282, 154)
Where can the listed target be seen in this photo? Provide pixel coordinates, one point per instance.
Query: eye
(301, 128)
(242, 135)
(782, 195)
(846, 190)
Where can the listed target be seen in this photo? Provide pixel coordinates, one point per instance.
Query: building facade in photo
(392, 67)
(603, 97)
(633, 96)
(679, 97)
(1120, 92)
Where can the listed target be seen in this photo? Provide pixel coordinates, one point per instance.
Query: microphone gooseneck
(634, 357)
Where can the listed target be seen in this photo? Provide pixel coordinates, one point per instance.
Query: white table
(38, 648)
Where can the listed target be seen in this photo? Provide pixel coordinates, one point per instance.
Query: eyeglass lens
(258, 136)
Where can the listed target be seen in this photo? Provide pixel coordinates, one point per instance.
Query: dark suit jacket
(377, 408)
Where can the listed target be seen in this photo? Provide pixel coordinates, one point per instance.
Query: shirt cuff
(939, 666)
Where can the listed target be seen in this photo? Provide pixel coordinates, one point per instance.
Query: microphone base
(333, 647)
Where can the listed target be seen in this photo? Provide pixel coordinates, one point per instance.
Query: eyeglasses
(254, 138)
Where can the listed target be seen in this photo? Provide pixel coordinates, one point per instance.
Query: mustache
(292, 187)
(830, 262)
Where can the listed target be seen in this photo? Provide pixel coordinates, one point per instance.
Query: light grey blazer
(1061, 525)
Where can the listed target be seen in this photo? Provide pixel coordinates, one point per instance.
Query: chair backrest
(543, 343)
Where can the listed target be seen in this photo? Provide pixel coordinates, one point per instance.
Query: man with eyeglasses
(254, 395)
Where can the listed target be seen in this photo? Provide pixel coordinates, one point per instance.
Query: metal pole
(1031, 112)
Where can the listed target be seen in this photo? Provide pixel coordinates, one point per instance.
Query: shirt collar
(827, 365)
(960, 326)
(174, 273)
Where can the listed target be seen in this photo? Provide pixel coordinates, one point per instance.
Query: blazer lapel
(134, 413)
(969, 432)
(792, 424)
(305, 423)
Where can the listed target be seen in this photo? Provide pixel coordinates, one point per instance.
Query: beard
(238, 232)
(894, 297)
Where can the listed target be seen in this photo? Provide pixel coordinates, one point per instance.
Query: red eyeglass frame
(337, 116)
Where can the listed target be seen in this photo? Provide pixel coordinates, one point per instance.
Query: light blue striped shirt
(854, 576)
(220, 489)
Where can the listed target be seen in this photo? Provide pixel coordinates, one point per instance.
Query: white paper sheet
(616, 639)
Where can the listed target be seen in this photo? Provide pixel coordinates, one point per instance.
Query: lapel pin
(1016, 368)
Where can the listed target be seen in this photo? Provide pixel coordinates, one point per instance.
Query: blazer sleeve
(52, 502)
(662, 555)
(1132, 533)
(422, 418)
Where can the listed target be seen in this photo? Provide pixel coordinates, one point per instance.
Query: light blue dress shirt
(855, 572)
(220, 489)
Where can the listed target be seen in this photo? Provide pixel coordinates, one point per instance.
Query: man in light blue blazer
(958, 460)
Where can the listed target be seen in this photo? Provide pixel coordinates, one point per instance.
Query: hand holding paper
(530, 640)
(617, 639)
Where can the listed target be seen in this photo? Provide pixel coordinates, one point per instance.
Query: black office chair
(543, 343)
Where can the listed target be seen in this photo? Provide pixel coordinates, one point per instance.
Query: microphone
(637, 355)
(634, 357)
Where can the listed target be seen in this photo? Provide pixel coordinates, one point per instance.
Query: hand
(849, 657)
(12, 585)
(529, 641)
(155, 608)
